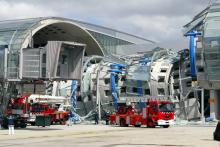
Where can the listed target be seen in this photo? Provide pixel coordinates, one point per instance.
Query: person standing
(96, 117)
(11, 125)
(107, 115)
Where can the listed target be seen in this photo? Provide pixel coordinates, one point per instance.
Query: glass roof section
(14, 33)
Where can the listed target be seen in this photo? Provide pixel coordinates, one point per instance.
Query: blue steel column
(114, 92)
(115, 69)
(191, 55)
(192, 51)
(73, 101)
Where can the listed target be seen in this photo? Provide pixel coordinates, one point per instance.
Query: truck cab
(154, 113)
(17, 108)
(160, 113)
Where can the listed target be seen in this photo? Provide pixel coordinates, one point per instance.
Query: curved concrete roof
(18, 33)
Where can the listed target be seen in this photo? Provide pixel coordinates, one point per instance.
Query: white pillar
(98, 98)
(202, 106)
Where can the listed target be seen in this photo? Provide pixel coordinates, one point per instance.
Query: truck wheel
(23, 125)
(32, 123)
(166, 126)
(150, 124)
(137, 125)
(123, 123)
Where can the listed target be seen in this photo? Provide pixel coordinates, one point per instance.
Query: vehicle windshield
(17, 106)
(164, 107)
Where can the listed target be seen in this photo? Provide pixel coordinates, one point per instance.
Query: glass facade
(108, 43)
(12, 34)
(212, 49)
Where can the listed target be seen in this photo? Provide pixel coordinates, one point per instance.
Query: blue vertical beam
(73, 101)
(192, 35)
(114, 70)
(192, 55)
(114, 92)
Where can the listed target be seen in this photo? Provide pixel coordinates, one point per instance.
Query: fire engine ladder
(114, 70)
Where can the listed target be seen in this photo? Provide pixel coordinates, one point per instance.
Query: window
(163, 70)
(191, 95)
(166, 107)
(161, 91)
(147, 91)
(200, 69)
(214, 43)
(79, 98)
(161, 78)
(44, 58)
(188, 65)
(189, 84)
(134, 89)
(107, 81)
(175, 86)
(123, 89)
(176, 67)
(176, 76)
(107, 93)
(94, 92)
(78, 88)
(89, 97)
(44, 72)
(137, 90)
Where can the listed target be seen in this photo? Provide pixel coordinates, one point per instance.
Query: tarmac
(89, 135)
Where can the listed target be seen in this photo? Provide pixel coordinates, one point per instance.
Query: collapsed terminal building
(42, 55)
(42, 49)
(204, 32)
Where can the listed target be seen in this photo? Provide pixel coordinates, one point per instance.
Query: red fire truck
(26, 109)
(154, 113)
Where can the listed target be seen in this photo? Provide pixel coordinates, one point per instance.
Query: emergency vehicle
(154, 113)
(25, 109)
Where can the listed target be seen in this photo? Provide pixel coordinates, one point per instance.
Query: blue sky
(157, 20)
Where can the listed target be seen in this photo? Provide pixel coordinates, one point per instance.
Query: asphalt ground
(110, 136)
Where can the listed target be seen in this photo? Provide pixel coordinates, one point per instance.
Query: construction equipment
(40, 110)
(115, 70)
(154, 113)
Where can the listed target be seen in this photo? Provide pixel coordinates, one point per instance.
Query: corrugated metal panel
(31, 63)
(53, 50)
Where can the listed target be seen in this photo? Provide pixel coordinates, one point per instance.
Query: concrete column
(213, 103)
